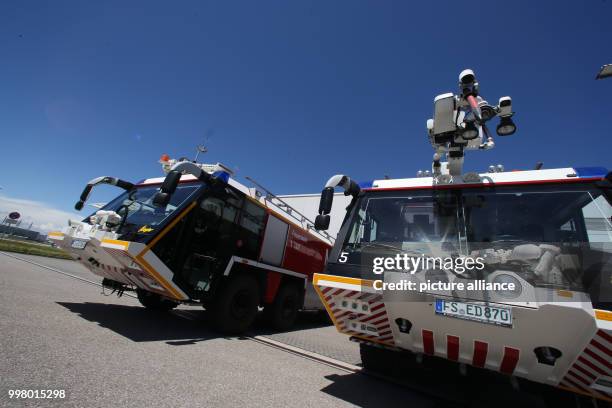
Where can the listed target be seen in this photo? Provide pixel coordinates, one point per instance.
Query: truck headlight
(504, 278)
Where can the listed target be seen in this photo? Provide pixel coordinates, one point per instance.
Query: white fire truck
(198, 236)
(544, 238)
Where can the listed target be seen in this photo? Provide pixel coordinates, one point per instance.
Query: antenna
(202, 148)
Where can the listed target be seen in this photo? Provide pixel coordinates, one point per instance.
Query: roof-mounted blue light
(591, 171)
(221, 175)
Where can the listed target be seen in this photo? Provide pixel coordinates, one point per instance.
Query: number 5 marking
(343, 257)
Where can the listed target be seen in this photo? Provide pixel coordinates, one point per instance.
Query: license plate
(500, 316)
(78, 244)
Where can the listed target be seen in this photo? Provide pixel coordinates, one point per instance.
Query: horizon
(287, 93)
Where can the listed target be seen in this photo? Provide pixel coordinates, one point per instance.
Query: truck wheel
(281, 314)
(377, 359)
(235, 305)
(153, 301)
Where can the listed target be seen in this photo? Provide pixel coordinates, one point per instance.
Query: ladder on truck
(289, 210)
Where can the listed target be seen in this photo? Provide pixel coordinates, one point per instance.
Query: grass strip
(32, 249)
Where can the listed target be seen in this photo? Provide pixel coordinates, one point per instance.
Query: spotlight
(470, 131)
(487, 111)
(506, 126)
(604, 72)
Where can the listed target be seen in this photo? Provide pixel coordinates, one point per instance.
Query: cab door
(209, 240)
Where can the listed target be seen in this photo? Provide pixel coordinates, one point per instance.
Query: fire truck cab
(208, 240)
(536, 299)
(548, 232)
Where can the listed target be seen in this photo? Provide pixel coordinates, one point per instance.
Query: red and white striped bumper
(131, 263)
(592, 369)
(584, 338)
(355, 309)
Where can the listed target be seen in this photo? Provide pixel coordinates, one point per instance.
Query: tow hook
(115, 287)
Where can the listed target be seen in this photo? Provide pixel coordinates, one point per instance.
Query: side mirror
(322, 222)
(327, 198)
(325, 205)
(170, 182)
(161, 199)
(168, 187)
(126, 185)
(79, 205)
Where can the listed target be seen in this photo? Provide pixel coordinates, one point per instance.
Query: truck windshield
(142, 213)
(555, 235)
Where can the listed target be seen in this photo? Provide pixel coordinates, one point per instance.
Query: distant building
(22, 233)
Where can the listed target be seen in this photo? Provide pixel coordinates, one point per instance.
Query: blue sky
(288, 92)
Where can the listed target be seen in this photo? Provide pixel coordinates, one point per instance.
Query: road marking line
(307, 354)
(351, 368)
(260, 339)
(299, 352)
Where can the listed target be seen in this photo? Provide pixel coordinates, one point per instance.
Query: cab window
(252, 222)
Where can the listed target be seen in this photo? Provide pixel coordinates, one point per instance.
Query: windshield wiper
(380, 245)
(410, 252)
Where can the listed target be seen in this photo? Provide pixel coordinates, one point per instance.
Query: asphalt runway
(59, 331)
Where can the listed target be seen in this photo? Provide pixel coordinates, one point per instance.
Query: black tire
(153, 301)
(235, 306)
(549, 396)
(378, 359)
(282, 313)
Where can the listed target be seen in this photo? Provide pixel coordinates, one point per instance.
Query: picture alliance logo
(412, 264)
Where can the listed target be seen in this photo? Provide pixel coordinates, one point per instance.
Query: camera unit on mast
(459, 124)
